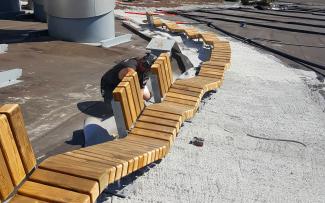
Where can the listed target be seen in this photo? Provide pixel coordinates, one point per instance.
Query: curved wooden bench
(76, 176)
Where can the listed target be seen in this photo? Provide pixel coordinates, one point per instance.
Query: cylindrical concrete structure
(39, 10)
(87, 21)
(9, 6)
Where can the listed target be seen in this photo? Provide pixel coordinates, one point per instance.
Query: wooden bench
(76, 176)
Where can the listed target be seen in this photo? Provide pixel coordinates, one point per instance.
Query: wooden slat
(173, 109)
(161, 148)
(214, 67)
(199, 82)
(161, 63)
(108, 163)
(24, 199)
(6, 185)
(17, 124)
(79, 168)
(169, 67)
(191, 89)
(51, 194)
(186, 92)
(68, 182)
(154, 134)
(159, 128)
(216, 77)
(213, 70)
(129, 96)
(160, 121)
(137, 85)
(96, 152)
(119, 95)
(158, 114)
(10, 152)
(134, 94)
(166, 71)
(125, 164)
(140, 157)
(152, 152)
(181, 101)
(182, 96)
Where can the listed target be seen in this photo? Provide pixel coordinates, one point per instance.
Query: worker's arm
(144, 92)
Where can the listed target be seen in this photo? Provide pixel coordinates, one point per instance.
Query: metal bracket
(119, 119)
(10, 77)
(155, 88)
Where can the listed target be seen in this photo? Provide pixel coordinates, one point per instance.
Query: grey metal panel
(79, 8)
(160, 44)
(115, 41)
(10, 77)
(9, 6)
(86, 30)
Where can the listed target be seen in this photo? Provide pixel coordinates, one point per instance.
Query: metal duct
(81, 20)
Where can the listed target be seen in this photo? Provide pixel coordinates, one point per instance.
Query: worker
(113, 77)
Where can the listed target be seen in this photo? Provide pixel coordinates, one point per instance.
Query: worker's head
(147, 61)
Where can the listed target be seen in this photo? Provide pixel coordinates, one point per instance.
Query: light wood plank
(140, 158)
(52, 194)
(154, 134)
(10, 152)
(160, 121)
(97, 152)
(158, 114)
(186, 92)
(182, 96)
(169, 67)
(68, 182)
(160, 62)
(24, 199)
(181, 101)
(17, 124)
(137, 85)
(6, 185)
(108, 163)
(124, 163)
(134, 94)
(159, 128)
(79, 168)
(119, 95)
(191, 89)
(130, 101)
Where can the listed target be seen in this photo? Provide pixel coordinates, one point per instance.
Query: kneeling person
(113, 77)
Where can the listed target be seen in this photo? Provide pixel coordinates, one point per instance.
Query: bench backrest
(17, 158)
(161, 77)
(127, 103)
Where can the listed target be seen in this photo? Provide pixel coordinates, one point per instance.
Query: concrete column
(87, 21)
(9, 6)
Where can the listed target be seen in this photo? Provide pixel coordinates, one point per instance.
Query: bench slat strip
(16, 121)
(52, 194)
(21, 198)
(68, 182)
(79, 168)
(10, 152)
(6, 185)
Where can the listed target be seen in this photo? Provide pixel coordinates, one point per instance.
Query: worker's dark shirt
(110, 79)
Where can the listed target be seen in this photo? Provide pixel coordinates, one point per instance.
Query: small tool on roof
(197, 141)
